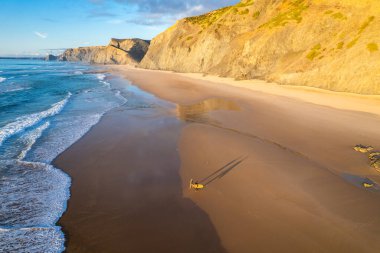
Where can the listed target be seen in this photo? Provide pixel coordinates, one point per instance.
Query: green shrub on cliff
(366, 24)
(245, 4)
(314, 52)
(244, 12)
(293, 13)
(256, 14)
(353, 42)
(339, 15)
(209, 18)
(340, 45)
(372, 47)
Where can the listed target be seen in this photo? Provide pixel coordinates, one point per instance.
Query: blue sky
(32, 27)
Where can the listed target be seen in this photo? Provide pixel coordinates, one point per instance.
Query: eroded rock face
(118, 51)
(330, 44)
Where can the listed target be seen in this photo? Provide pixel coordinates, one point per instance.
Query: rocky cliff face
(330, 44)
(118, 51)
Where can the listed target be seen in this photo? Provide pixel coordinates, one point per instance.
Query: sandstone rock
(367, 185)
(363, 149)
(375, 160)
(329, 44)
(126, 51)
(376, 164)
(374, 156)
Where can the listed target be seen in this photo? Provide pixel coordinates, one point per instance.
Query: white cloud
(41, 35)
(191, 10)
(196, 8)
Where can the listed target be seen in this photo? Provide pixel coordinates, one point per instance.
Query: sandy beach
(278, 162)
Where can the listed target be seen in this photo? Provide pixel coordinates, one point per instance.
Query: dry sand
(289, 195)
(294, 182)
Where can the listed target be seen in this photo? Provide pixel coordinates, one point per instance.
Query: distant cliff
(118, 51)
(330, 44)
(51, 57)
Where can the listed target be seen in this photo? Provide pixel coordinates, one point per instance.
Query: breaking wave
(24, 122)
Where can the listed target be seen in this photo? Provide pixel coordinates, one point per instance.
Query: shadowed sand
(126, 194)
(291, 193)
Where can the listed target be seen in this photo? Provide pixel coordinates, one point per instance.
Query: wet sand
(275, 161)
(126, 193)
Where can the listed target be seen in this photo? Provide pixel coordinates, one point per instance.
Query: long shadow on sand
(218, 174)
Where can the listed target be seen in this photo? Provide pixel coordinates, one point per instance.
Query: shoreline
(106, 193)
(296, 194)
(303, 93)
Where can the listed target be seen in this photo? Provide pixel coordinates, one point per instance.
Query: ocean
(44, 108)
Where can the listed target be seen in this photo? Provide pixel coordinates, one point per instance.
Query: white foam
(66, 133)
(2, 79)
(39, 239)
(32, 194)
(33, 239)
(121, 97)
(24, 122)
(101, 76)
(15, 89)
(106, 84)
(78, 73)
(31, 138)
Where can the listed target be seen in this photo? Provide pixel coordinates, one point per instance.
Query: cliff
(329, 44)
(118, 51)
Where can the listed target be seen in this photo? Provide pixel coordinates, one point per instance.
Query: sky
(38, 27)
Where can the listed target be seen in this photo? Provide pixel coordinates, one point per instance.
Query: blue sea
(44, 108)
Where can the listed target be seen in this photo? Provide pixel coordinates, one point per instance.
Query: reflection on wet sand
(198, 112)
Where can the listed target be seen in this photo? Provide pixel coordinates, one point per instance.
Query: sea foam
(33, 193)
(65, 134)
(106, 84)
(24, 122)
(101, 76)
(2, 79)
(33, 196)
(121, 97)
(31, 138)
(40, 239)
(15, 89)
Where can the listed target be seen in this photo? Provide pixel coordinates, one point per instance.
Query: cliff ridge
(118, 51)
(327, 44)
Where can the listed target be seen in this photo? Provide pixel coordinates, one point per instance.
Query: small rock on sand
(367, 185)
(375, 160)
(362, 148)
